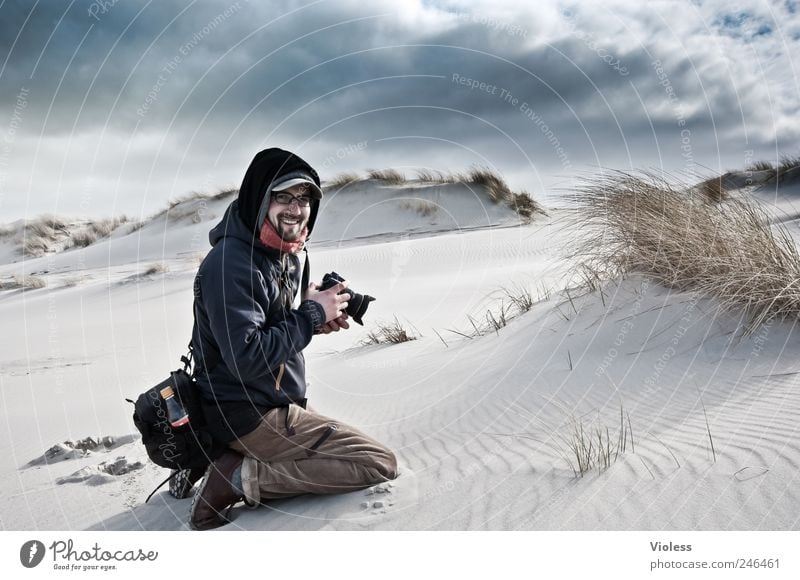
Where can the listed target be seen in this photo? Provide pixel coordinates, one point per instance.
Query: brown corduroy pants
(295, 451)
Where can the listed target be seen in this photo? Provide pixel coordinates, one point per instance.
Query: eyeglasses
(288, 199)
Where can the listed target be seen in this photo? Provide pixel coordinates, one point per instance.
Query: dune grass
(41, 234)
(388, 176)
(343, 179)
(220, 193)
(155, 268)
(761, 165)
(423, 207)
(433, 176)
(788, 165)
(95, 230)
(23, 282)
(34, 246)
(499, 191)
(651, 224)
(509, 303)
(495, 186)
(524, 204)
(192, 204)
(48, 233)
(713, 189)
(46, 226)
(224, 192)
(591, 445)
(388, 333)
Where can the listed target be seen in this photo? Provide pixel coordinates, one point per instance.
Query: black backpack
(189, 446)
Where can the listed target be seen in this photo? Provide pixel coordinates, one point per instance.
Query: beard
(289, 232)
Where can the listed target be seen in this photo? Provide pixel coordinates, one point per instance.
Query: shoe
(182, 482)
(216, 494)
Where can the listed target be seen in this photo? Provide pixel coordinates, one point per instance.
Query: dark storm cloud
(138, 57)
(419, 82)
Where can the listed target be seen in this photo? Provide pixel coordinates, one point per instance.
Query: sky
(115, 107)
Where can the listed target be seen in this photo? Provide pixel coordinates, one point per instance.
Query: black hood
(265, 168)
(231, 225)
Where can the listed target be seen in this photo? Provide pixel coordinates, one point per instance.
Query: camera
(356, 304)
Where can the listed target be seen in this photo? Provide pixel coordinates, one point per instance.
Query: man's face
(289, 219)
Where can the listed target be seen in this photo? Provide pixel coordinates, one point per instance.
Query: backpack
(189, 446)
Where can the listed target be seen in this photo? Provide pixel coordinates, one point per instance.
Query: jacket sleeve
(234, 294)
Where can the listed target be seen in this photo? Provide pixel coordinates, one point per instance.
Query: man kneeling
(248, 341)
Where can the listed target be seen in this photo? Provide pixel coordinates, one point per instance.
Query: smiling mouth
(289, 221)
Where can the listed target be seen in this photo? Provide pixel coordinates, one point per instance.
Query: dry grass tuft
(83, 238)
(592, 446)
(95, 230)
(388, 333)
(42, 234)
(49, 233)
(343, 179)
(498, 190)
(789, 164)
(423, 207)
(390, 176)
(24, 282)
(34, 246)
(155, 268)
(525, 205)
(494, 184)
(136, 226)
(760, 166)
(713, 189)
(510, 303)
(46, 226)
(225, 192)
(645, 223)
(433, 176)
(193, 204)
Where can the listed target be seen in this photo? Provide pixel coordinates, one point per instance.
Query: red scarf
(270, 238)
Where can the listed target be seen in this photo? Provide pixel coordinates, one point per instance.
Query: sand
(479, 422)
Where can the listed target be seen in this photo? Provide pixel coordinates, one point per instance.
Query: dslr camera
(356, 304)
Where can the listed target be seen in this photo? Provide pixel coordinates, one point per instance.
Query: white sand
(478, 424)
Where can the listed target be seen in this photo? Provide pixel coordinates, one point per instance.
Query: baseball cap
(285, 182)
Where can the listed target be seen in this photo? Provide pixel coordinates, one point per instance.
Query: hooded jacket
(247, 338)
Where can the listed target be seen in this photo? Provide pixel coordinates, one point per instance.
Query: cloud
(206, 85)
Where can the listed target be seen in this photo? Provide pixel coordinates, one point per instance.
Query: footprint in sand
(398, 495)
(379, 498)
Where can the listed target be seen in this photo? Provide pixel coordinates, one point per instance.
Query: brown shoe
(216, 494)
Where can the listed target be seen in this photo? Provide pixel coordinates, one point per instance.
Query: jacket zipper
(280, 376)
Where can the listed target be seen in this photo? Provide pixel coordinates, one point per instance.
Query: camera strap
(306, 275)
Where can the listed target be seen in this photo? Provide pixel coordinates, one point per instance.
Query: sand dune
(480, 424)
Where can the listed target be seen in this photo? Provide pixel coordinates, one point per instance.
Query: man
(248, 340)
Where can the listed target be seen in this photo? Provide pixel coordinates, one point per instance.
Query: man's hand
(337, 324)
(332, 302)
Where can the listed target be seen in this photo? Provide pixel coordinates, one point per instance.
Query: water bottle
(175, 412)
